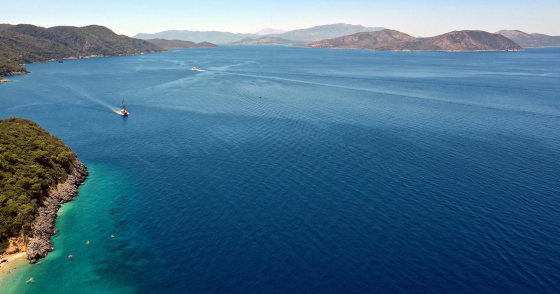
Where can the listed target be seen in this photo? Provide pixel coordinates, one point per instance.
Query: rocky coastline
(43, 227)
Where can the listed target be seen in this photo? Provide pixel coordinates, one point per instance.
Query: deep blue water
(292, 170)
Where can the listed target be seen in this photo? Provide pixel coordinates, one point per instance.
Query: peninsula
(25, 43)
(391, 40)
(530, 40)
(164, 43)
(38, 173)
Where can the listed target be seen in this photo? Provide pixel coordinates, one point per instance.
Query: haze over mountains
(303, 35)
(268, 31)
(530, 40)
(266, 41)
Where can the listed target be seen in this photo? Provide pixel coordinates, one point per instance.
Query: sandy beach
(14, 262)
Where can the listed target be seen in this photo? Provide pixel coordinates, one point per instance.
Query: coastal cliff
(43, 226)
(38, 173)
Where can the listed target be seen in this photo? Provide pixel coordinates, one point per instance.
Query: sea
(277, 169)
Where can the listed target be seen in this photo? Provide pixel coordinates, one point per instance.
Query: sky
(416, 18)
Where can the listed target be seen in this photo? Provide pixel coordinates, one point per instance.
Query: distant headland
(25, 43)
(38, 174)
(391, 40)
(530, 40)
(180, 44)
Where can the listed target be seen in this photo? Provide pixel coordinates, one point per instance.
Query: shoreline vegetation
(24, 43)
(38, 173)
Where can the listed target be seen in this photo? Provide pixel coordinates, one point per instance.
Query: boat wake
(117, 111)
(81, 92)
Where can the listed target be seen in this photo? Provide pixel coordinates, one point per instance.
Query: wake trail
(377, 91)
(81, 92)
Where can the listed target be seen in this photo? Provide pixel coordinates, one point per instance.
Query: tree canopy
(25, 43)
(32, 162)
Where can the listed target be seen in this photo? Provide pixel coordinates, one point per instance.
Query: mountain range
(530, 40)
(391, 40)
(25, 43)
(268, 31)
(303, 35)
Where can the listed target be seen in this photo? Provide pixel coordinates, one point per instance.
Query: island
(530, 40)
(25, 43)
(391, 40)
(164, 43)
(38, 173)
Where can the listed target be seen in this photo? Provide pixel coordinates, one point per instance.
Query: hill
(325, 32)
(469, 41)
(368, 40)
(180, 44)
(215, 37)
(392, 40)
(303, 35)
(266, 41)
(530, 40)
(24, 43)
(32, 164)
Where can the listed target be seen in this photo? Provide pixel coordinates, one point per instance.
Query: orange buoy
(70, 256)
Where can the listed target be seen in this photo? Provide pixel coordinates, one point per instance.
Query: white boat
(123, 111)
(194, 68)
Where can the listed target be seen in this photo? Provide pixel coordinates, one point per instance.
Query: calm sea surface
(291, 170)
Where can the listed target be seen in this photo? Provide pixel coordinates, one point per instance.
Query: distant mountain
(180, 44)
(266, 41)
(392, 40)
(198, 36)
(530, 40)
(26, 43)
(269, 31)
(469, 41)
(302, 36)
(325, 32)
(368, 40)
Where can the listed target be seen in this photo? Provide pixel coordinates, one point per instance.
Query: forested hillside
(25, 43)
(32, 161)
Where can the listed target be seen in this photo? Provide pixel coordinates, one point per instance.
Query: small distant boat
(194, 68)
(123, 111)
(61, 61)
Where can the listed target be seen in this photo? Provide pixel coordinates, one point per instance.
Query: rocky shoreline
(43, 227)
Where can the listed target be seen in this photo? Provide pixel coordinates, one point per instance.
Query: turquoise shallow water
(90, 217)
(281, 169)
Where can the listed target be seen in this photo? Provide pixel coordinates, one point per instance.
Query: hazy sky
(417, 18)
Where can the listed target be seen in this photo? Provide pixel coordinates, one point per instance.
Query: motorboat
(123, 111)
